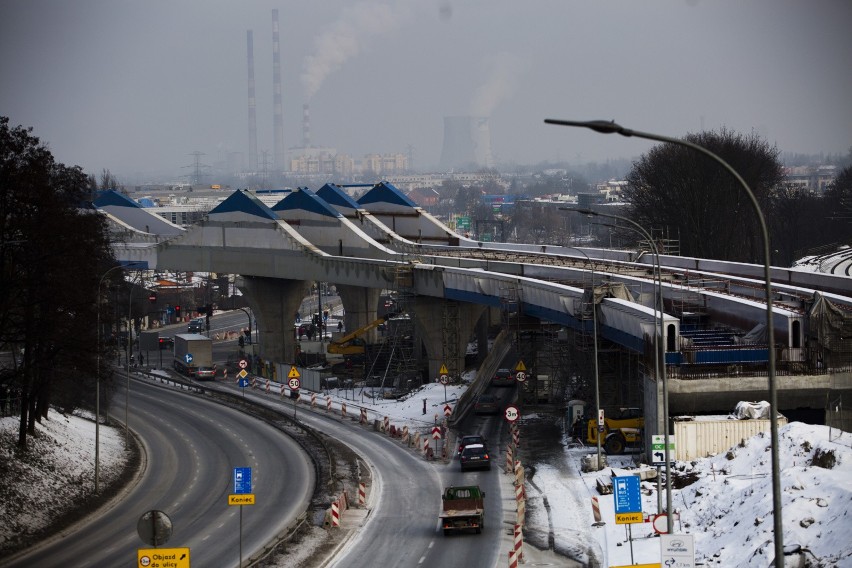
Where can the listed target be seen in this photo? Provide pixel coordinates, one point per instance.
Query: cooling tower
(278, 124)
(252, 106)
(467, 143)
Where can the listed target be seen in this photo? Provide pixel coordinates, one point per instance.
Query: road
(402, 528)
(192, 446)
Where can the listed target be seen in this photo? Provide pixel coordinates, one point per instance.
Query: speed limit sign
(512, 413)
(521, 376)
(294, 383)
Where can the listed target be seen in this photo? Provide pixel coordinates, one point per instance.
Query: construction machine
(351, 343)
(622, 430)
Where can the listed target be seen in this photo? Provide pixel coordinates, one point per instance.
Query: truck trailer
(193, 356)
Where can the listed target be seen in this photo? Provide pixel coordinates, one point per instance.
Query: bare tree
(686, 192)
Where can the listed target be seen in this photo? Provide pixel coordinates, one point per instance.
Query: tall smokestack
(278, 123)
(306, 126)
(252, 105)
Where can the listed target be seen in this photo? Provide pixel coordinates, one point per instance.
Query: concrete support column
(273, 302)
(482, 326)
(429, 323)
(359, 308)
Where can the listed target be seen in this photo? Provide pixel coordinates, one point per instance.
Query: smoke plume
(504, 74)
(345, 38)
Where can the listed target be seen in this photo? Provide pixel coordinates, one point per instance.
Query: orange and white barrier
(362, 495)
(363, 419)
(519, 543)
(335, 514)
(510, 459)
(385, 424)
(313, 400)
(328, 404)
(513, 561)
(405, 435)
(596, 509)
(343, 409)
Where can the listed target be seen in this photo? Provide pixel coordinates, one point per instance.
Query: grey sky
(137, 86)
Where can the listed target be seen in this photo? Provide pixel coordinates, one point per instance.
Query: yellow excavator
(351, 343)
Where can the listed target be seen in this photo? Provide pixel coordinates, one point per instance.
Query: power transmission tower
(197, 165)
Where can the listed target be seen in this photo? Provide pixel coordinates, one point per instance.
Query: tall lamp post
(595, 352)
(98, 383)
(659, 369)
(610, 127)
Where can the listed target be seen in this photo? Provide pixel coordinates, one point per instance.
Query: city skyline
(137, 88)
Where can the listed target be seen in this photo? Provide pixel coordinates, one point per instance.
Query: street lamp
(595, 352)
(659, 370)
(610, 127)
(98, 381)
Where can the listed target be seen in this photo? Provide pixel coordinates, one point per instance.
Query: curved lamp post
(659, 370)
(595, 334)
(610, 127)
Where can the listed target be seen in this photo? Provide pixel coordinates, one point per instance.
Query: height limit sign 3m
(511, 414)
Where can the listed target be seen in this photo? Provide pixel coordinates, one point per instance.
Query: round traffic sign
(521, 376)
(243, 363)
(294, 383)
(445, 379)
(661, 524)
(512, 413)
(154, 528)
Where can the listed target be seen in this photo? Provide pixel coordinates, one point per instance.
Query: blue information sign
(243, 383)
(628, 498)
(188, 357)
(242, 480)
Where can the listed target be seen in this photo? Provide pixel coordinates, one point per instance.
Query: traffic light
(177, 311)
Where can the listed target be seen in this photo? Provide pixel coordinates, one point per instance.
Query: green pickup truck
(462, 507)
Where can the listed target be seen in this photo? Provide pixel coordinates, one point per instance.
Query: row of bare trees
(53, 251)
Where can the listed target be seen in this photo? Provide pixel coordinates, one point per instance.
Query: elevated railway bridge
(548, 298)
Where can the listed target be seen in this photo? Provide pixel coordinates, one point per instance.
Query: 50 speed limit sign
(294, 383)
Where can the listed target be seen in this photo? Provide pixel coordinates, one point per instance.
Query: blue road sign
(242, 480)
(628, 498)
(188, 357)
(243, 383)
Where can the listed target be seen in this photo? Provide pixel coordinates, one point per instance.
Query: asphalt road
(192, 446)
(403, 528)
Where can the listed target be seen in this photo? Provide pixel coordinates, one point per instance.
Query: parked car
(486, 404)
(465, 441)
(475, 456)
(503, 378)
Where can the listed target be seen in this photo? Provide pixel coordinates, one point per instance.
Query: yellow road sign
(444, 370)
(520, 366)
(162, 557)
(242, 374)
(294, 373)
(243, 499)
(629, 518)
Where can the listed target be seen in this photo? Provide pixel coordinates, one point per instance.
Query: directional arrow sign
(188, 357)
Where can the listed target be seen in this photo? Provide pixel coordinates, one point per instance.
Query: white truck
(194, 356)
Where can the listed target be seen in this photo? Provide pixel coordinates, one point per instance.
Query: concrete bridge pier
(273, 302)
(359, 308)
(429, 322)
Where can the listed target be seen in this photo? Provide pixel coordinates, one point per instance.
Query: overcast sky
(138, 86)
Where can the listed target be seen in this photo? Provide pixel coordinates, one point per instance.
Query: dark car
(167, 343)
(486, 404)
(503, 378)
(465, 441)
(475, 456)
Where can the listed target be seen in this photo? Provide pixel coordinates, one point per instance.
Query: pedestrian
(340, 326)
(141, 360)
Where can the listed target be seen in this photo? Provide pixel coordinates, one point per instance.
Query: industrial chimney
(306, 126)
(278, 123)
(252, 104)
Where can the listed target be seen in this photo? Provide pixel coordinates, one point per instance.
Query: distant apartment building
(314, 161)
(814, 179)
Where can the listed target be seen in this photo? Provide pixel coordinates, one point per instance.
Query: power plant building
(467, 143)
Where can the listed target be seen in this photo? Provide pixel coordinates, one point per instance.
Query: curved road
(192, 446)
(402, 528)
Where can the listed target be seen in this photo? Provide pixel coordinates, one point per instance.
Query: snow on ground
(58, 469)
(727, 506)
